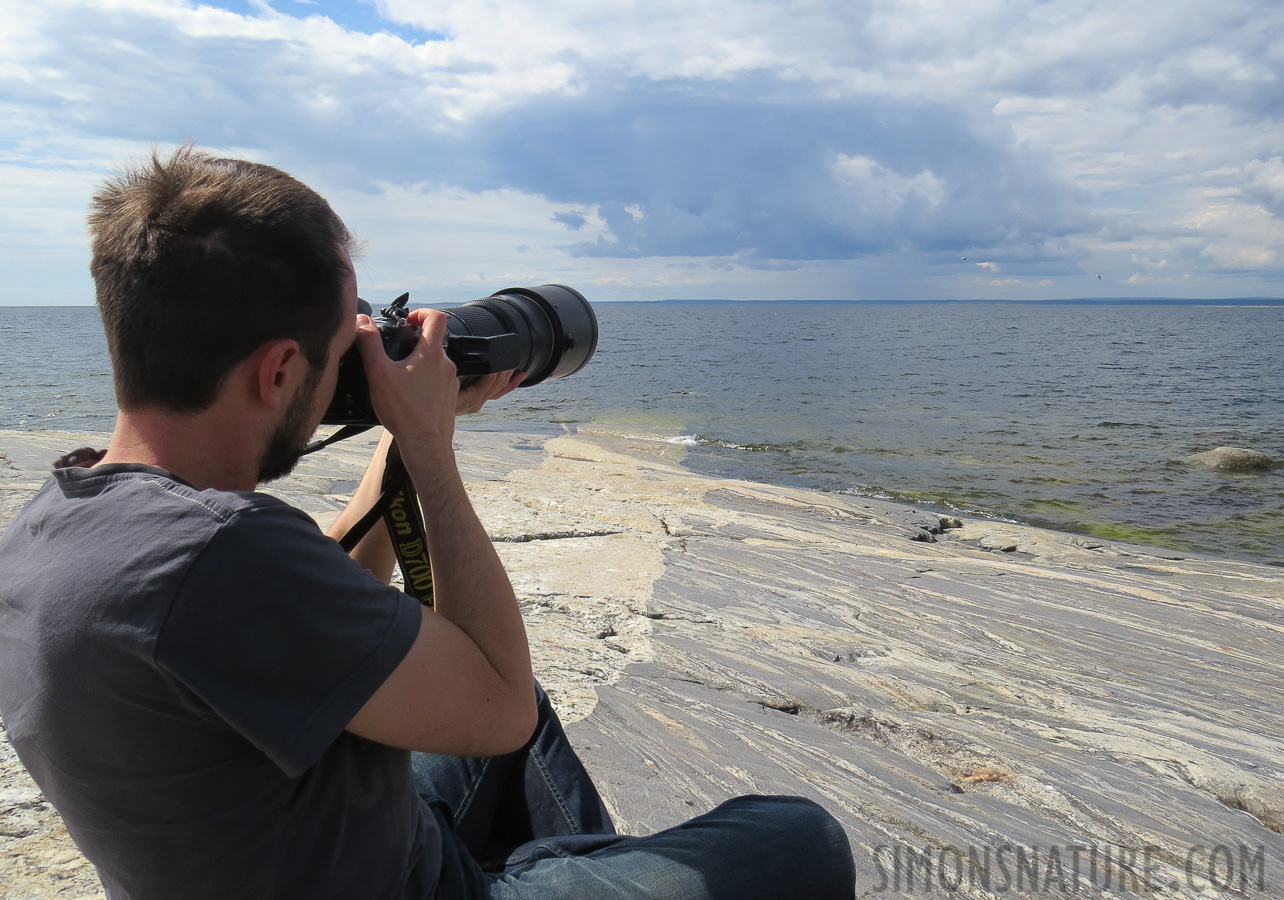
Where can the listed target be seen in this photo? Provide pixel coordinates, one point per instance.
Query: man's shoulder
(92, 520)
(145, 494)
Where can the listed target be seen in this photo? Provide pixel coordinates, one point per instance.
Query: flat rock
(1002, 697)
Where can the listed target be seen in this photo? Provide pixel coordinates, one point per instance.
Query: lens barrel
(555, 328)
(547, 332)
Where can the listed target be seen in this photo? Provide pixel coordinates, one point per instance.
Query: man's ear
(277, 365)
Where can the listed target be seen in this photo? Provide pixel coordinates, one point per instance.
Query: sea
(1077, 417)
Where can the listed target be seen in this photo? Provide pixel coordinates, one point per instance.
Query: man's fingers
(432, 322)
(497, 384)
(487, 388)
(512, 383)
(368, 341)
(85, 457)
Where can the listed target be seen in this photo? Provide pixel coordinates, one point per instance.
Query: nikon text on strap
(398, 506)
(405, 522)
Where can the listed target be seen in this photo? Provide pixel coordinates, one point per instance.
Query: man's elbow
(519, 722)
(508, 724)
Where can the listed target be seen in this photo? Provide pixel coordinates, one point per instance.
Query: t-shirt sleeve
(282, 634)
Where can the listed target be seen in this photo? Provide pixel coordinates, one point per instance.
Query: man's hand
(415, 398)
(486, 388)
(84, 457)
(412, 392)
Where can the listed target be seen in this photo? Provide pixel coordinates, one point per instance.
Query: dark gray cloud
(677, 170)
(573, 221)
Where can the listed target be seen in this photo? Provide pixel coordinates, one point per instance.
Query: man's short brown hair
(198, 261)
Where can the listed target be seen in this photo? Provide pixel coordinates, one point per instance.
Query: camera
(547, 332)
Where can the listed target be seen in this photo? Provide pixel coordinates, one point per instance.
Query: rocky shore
(991, 710)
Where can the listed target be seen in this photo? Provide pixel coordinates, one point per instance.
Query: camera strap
(346, 431)
(405, 522)
(398, 506)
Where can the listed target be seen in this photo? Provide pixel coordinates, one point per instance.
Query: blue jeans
(530, 825)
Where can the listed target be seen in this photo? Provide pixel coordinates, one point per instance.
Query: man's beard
(288, 441)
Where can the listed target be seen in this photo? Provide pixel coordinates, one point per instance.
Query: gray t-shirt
(177, 668)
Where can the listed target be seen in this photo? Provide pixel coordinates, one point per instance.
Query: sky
(729, 149)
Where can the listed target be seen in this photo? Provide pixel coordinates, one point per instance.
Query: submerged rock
(1234, 459)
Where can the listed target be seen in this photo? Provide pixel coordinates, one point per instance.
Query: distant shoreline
(1249, 302)
(1244, 302)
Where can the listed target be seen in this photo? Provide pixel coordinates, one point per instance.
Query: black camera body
(547, 332)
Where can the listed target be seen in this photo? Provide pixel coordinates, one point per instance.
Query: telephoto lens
(547, 332)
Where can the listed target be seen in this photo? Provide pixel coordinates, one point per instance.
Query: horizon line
(1085, 301)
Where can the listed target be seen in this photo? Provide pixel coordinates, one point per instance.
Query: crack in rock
(526, 537)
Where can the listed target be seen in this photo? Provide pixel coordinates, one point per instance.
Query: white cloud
(435, 239)
(883, 192)
(1139, 279)
(1148, 263)
(1266, 182)
(1019, 283)
(1054, 140)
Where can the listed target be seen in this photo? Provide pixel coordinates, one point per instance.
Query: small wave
(701, 440)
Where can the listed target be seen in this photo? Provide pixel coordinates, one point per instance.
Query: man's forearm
(470, 587)
(374, 551)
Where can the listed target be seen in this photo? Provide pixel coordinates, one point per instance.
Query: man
(218, 700)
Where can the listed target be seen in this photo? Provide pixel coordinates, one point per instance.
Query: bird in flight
(1098, 277)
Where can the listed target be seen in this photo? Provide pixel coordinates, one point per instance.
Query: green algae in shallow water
(1043, 505)
(1133, 534)
(661, 423)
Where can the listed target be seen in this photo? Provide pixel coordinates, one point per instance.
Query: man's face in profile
(309, 403)
(292, 433)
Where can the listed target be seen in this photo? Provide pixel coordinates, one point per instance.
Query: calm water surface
(1073, 417)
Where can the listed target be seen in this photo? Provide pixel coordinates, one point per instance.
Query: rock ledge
(944, 688)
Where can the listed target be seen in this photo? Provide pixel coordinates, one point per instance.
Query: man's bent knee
(806, 837)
